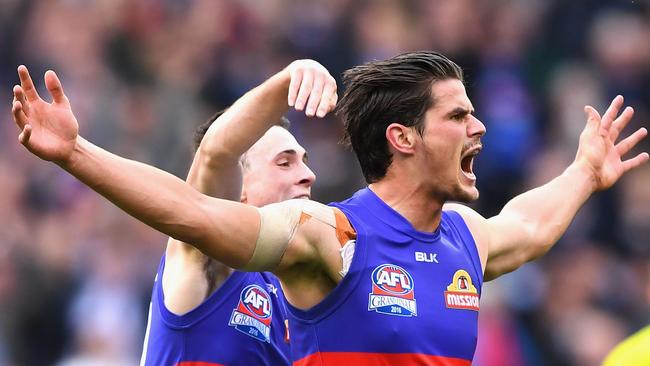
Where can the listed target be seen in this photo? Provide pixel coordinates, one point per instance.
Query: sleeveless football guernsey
(409, 297)
(241, 323)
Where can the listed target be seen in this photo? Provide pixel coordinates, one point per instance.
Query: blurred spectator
(142, 74)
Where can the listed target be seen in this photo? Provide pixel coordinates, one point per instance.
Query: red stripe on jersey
(378, 359)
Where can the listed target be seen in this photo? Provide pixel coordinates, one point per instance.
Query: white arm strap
(278, 224)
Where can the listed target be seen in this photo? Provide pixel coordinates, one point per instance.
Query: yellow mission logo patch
(461, 293)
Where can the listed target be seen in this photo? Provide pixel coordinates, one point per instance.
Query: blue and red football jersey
(409, 298)
(242, 323)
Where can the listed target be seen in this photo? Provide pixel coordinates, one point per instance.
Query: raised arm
(531, 223)
(304, 84)
(225, 230)
(216, 169)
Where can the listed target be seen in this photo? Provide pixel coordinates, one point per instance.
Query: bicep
(509, 244)
(258, 239)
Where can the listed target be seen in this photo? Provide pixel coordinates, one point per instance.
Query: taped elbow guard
(278, 225)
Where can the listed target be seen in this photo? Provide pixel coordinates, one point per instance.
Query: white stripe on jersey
(146, 338)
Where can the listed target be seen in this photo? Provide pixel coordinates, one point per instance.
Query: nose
(306, 176)
(476, 128)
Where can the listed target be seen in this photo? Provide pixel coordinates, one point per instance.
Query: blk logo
(426, 257)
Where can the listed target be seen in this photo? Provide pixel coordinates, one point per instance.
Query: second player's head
(274, 168)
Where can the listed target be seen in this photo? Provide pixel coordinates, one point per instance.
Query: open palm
(48, 130)
(598, 148)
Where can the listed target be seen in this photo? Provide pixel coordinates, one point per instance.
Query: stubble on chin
(463, 195)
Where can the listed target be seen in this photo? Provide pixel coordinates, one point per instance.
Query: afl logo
(392, 291)
(257, 301)
(392, 279)
(253, 313)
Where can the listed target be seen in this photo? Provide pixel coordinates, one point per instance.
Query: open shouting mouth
(467, 161)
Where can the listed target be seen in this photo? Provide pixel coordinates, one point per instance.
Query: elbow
(545, 236)
(207, 233)
(192, 227)
(188, 232)
(218, 150)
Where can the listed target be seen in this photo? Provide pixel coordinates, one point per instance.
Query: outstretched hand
(598, 149)
(312, 88)
(48, 130)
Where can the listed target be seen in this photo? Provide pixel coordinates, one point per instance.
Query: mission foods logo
(461, 293)
(392, 291)
(253, 313)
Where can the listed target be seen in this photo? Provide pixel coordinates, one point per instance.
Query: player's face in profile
(451, 140)
(276, 170)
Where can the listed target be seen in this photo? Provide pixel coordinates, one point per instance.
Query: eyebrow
(293, 152)
(460, 111)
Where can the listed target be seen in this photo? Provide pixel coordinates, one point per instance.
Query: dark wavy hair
(378, 93)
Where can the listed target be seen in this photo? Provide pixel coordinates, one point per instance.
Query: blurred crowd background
(76, 273)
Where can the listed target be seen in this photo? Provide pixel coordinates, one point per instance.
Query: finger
(636, 161)
(19, 95)
(629, 142)
(315, 95)
(19, 116)
(55, 88)
(620, 122)
(325, 105)
(294, 87)
(27, 84)
(305, 90)
(611, 112)
(24, 136)
(593, 117)
(333, 101)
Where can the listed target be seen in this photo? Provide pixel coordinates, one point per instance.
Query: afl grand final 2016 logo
(253, 313)
(392, 291)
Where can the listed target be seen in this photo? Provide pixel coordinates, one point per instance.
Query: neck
(411, 200)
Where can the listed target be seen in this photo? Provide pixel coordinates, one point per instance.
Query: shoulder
(476, 223)
(184, 280)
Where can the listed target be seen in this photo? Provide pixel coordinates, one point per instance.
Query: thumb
(593, 117)
(24, 136)
(55, 88)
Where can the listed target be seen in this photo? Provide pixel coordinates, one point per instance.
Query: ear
(243, 198)
(401, 138)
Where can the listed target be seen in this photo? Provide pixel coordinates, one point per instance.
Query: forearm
(215, 170)
(166, 203)
(151, 195)
(246, 120)
(546, 212)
